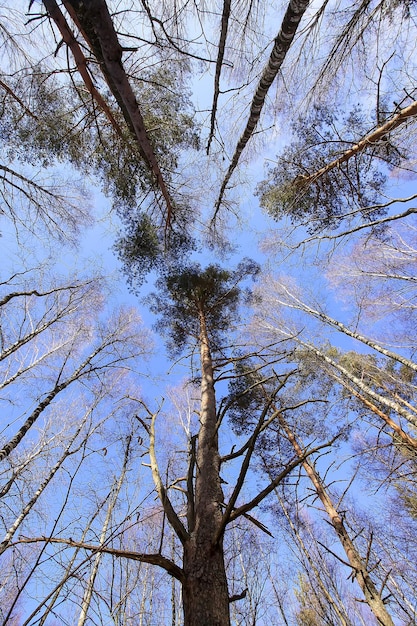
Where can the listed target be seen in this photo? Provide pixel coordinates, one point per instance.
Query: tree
(61, 370)
(385, 383)
(282, 429)
(351, 184)
(201, 306)
(283, 41)
(359, 565)
(318, 580)
(369, 386)
(45, 123)
(343, 184)
(114, 95)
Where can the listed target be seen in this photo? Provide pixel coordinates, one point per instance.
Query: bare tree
(359, 563)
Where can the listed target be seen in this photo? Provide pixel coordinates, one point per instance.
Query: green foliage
(186, 294)
(42, 124)
(168, 116)
(321, 137)
(363, 366)
(382, 373)
(147, 246)
(52, 128)
(46, 131)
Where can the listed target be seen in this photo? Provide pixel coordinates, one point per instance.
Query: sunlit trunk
(205, 593)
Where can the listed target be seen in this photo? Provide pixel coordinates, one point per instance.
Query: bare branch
(173, 518)
(154, 559)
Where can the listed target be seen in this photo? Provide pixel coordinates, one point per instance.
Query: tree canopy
(248, 170)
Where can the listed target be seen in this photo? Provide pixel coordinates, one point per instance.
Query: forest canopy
(208, 312)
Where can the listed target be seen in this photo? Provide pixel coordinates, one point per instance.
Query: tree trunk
(335, 604)
(282, 43)
(205, 593)
(359, 566)
(113, 498)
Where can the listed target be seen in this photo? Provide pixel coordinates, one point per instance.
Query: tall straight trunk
(292, 18)
(205, 592)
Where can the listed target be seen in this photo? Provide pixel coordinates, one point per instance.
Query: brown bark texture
(205, 592)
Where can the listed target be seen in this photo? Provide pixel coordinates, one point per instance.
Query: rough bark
(205, 593)
(80, 60)
(97, 25)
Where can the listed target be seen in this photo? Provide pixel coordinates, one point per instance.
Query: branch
(354, 229)
(361, 385)
(39, 294)
(379, 133)
(76, 375)
(172, 517)
(183, 51)
(18, 100)
(330, 321)
(154, 559)
(405, 437)
(265, 492)
(238, 596)
(244, 468)
(80, 61)
(96, 22)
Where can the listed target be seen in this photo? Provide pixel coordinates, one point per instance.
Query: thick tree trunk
(97, 26)
(205, 593)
